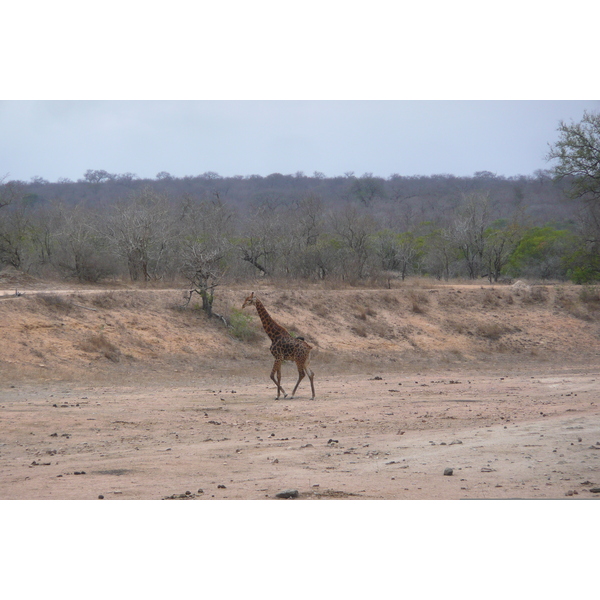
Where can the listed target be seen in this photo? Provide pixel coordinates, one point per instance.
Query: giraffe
(283, 347)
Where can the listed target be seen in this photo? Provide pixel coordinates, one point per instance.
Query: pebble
(287, 494)
(448, 471)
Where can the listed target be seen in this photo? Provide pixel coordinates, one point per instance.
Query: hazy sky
(266, 87)
(54, 139)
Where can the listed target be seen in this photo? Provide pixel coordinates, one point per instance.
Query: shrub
(589, 295)
(491, 331)
(242, 327)
(99, 343)
(537, 295)
(56, 302)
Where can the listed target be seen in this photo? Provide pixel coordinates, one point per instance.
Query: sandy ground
(108, 394)
(528, 432)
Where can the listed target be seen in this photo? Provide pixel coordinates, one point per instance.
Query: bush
(590, 296)
(56, 302)
(242, 327)
(99, 343)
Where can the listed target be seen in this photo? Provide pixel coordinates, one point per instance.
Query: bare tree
(204, 248)
(80, 250)
(354, 227)
(441, 253)
(260, 244)
(140, 231)
(204, 269)
(396, 251)
(469, 229)
(15, 233)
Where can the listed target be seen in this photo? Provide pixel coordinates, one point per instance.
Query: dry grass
(107, 300)
(536, 295)
(590, 297)
(359, 330)
(99, 343)
(419, 301)
(491, 331)
(351, 327)
(56, 303)
(459, 327)
(364, 312)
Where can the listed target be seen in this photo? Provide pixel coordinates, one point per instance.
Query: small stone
(595, 490)
(287, 494)
(221, 487)
(448, 471)
(100, 497)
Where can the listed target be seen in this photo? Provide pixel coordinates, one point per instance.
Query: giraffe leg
(277, 370)
(301, 374)
(304, 369)
(311, 376)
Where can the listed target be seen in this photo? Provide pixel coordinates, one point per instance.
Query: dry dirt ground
(423, 392)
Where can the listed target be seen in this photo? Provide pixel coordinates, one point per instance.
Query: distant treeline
(209, 227)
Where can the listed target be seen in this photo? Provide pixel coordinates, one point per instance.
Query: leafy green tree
(542, 253)
(578, 154)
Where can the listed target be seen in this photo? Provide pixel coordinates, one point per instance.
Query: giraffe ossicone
(283, 347)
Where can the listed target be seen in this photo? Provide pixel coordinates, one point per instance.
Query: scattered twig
(86, 307)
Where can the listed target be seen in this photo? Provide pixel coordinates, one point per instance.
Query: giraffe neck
(272, 329)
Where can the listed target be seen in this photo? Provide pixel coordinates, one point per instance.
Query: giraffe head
(249, 301)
